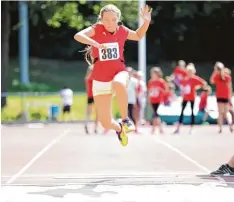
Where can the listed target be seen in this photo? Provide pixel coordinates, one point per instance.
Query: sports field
(59, 162)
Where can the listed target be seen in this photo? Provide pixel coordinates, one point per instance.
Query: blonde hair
(89, 71)
(219, 65)
(181, 63)
(107, 8)
(227, 70)
(157, 70)
(191, 67)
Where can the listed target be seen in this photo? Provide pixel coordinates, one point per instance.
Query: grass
(57, 73)
(53, 73)
(17, 105)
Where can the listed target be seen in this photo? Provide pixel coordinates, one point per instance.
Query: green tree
(69, 13)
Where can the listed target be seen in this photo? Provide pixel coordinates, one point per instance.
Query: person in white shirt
(141, 96)
(132, 96)
(67, 101)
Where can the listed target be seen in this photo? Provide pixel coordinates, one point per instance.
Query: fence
(29, 106)
(37, 106)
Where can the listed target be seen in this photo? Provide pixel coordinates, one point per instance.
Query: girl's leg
(96, 118)
(221, 116)
(142, 112)
(104, 114)
(206, 114)
(231, 162)
(103, 108)
(184, 103)
(88, 114)
(192, 116)
(102, 92)
(119, 86)
(136, 112)
(226, 108)
(231, 111)
(130, 112)
(156, 119)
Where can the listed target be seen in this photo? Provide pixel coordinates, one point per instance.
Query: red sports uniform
(110, 61)
(222, 86)
(167, 98)
(156, 90)
(180, 73)
(89, 84)
(188, 87)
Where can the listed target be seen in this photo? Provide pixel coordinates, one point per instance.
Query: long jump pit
(59, 162)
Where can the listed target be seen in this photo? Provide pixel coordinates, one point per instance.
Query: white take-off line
(182, 154)
(38, 155)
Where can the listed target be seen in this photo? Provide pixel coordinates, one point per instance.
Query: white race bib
(179, 76)
(110, 53)
(154, 92)
(186, 89)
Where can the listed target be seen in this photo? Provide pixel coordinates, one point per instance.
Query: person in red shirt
(203, 103)
(189, 85)
(106, 41)
(169, 95)
(156, 89)
(90, 101)
(179, 73)
(223, 84)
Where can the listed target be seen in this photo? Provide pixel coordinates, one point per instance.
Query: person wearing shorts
(106, 40)
(67, 100)
(223, 84)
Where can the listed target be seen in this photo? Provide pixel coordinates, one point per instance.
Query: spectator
(67, 101)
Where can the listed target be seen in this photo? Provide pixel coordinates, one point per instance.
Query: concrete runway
(59, 162)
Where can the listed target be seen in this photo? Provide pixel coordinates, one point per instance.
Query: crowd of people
(159, 91)
(105, 42)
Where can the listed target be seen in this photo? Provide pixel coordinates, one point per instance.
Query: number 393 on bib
(110, 53)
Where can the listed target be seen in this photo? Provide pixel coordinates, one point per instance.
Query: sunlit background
(40, 56)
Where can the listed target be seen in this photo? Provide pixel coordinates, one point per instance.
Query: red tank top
(109, 62)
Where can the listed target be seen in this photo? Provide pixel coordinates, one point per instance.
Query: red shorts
(105, 71)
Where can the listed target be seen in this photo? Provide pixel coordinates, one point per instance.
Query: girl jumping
(106, 41)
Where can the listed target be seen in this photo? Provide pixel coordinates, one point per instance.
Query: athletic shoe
(123, 138)
(224, 170)
(128, 125)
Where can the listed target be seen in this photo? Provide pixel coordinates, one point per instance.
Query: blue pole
(23, 42)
